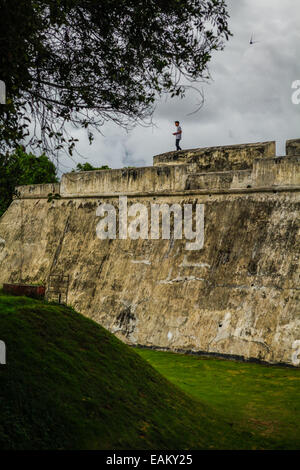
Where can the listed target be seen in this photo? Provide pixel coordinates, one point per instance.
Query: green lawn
(266, 399)
(70, 384)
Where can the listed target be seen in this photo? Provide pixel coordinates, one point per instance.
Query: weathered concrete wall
(279, 172)
(239, 295)
(232, 157)
(130, 180)
(38, 190)
(267, 172)
(293, 147)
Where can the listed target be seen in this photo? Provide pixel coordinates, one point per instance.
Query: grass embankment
(264, 399)
(70, 384)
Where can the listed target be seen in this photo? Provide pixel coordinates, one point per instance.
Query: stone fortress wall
(238, 296)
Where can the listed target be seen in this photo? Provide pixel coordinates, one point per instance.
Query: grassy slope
(264, 399)
(69, 384)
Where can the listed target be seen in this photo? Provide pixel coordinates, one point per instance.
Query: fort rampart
(237, 296)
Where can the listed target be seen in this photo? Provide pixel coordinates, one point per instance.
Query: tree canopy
(88, 167)
(85, 62)
(21, 168)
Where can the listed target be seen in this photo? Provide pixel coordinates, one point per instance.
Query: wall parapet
(264, 172)
(212, 159)
(144, 179)
(277, 171)
(293, 147)
(37, 190)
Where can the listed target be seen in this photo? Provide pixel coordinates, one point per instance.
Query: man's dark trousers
(177, 144)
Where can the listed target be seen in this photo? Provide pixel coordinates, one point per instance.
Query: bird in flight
(252, 40)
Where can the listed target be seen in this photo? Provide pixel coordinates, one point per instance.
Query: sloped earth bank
(70, 384)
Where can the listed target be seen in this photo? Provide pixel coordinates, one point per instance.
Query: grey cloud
(248, 100)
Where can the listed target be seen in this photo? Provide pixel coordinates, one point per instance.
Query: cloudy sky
(249, 99)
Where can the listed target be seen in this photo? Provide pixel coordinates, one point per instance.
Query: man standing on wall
(178, 134)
